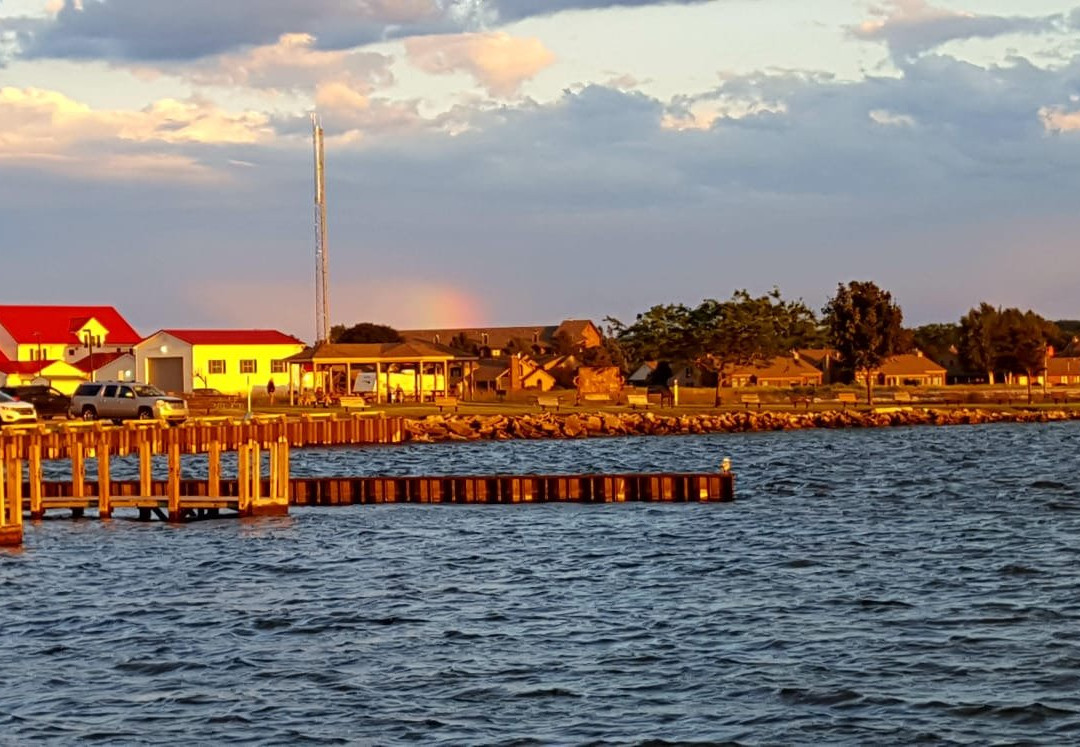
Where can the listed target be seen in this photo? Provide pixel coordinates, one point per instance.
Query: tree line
(860, 321)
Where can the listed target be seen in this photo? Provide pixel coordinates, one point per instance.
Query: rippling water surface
(877, 586)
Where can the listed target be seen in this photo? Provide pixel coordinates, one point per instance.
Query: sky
(518, 162)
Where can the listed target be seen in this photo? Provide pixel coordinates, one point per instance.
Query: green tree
(937, 341)
(976, 343)
(364, 332)
(865, 327)
(746, 330)
(1020, 343)
(661, 333)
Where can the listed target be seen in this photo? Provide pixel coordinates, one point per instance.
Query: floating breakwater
(550, 425)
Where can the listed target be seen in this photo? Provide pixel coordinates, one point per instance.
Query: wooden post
(175, 512)
(243, 479)
(104, 479)
(11, 531)
(213, 469)
(78, 469)
(37, 510)
(256, 472)
(146, 469)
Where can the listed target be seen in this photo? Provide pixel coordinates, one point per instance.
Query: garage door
(166, 373)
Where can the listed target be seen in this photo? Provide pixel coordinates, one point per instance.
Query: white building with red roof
(63, 344)
(232, 361)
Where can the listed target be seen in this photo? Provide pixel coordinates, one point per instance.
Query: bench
(902, 397)
(800, 400)
(1059, 398)
(846, 398)
(638, 400)
(751, 399)
(442, 402)
(594, 398)
(210, 403)
(353, 402)
(544, 401)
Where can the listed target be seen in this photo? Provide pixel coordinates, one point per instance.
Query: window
(248, 366)
(279, 367)
(484, 338)
(216, 367)
(110, 391)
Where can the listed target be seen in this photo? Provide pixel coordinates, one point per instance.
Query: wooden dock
(341, 491)
(196, 436)
(250, 493)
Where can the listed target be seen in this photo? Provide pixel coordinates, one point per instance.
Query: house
(780, 371)
(233, 361)
(397, 370)
(641, 375)
(112, 365)
(825, 360)
(1063, 371)
(908, 369)
(63, 333)
(499, 375)
(495, 342)
(59, 374)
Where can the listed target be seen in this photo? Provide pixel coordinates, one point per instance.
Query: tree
(661, 333)
(1020, 343)
(364, 332)
(937, 341)
(865, 327)
(746, 330)
(977, 329)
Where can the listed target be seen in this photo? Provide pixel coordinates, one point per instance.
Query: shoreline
(439, 428)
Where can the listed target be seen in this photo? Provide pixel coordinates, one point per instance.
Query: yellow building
(233, 361)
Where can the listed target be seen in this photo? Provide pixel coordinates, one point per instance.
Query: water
(868, 586)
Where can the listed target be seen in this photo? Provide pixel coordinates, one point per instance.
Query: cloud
(138, 30)
(514, 10)
(911, 27)
(60, 133)
(498, 61)
(1059, 119)
(291, 63)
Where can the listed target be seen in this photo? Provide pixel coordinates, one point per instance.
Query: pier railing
(199, 436)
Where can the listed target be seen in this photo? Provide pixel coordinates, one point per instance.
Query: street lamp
(37, 336)
(88, 339)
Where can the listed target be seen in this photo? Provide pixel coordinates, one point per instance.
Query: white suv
(14, 412)
(125, 400)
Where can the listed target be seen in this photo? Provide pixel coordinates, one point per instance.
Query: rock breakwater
(584, 425)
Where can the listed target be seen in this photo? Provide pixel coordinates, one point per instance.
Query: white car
(14, 412)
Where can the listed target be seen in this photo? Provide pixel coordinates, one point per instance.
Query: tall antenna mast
(322, 268)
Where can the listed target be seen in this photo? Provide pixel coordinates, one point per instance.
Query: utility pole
(322, 269)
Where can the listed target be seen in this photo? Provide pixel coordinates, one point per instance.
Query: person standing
(270, 389)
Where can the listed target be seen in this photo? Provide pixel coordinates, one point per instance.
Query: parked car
(13, 412)
(125, 400)
(48, 401)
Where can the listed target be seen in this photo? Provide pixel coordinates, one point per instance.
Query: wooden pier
(59, 441)
(342, 491)
(250, 493)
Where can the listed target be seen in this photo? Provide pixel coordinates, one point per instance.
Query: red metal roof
(232, 336)
(23, 367)
(57, 324)
(100, 360)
